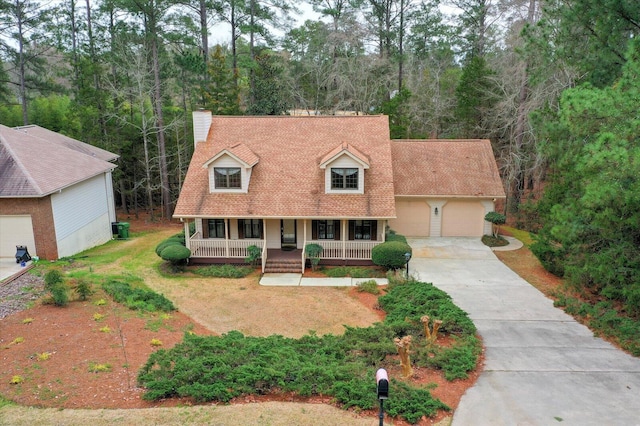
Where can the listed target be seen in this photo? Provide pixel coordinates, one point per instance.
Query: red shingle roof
(288, 181)
(344, 148)
(463, 168)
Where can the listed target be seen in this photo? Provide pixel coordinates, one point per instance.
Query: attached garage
(413, 218)
(16, 231)
(462, 218)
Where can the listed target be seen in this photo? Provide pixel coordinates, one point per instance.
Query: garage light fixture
(436, 211)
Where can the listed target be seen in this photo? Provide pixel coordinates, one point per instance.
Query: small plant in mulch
(105, 329)
(100, 302)
(17, 340)
(84, 289)
(98, 316)
(27, 320)
(43, 356)
(494, 241)
(99, 368)
(15, 380)
(55, 285)
(155, 342)
(370, 286)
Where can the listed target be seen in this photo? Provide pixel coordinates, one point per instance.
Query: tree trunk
(157, 106)
(521, 121)
(21, 62)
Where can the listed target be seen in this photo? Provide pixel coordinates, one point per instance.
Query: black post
(382, 389)
(407, 257)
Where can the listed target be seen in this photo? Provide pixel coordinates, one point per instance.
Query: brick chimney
(201, 125)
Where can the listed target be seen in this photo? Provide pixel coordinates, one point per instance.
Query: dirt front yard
(87, 355)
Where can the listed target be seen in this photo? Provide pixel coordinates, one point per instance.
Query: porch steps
(283, 266)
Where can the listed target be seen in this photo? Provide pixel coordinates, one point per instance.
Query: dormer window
(344, 178)
(227, 177)
(344, 169)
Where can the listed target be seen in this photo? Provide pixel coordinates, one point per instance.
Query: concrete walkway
(294, 280)
(541, 366)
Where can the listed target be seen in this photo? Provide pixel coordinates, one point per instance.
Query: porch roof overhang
(182, 217)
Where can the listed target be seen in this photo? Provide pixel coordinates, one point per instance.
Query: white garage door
(462, 219)
(413, 218)
(16, 231)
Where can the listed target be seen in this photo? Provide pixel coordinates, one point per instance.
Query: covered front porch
(228, 240)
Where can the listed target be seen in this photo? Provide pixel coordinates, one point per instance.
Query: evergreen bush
(390, 254)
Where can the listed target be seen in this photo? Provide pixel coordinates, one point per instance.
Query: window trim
(227, 176)
(347, 179)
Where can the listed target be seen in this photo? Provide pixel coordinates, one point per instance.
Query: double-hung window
(251, 228)
(216, 228)
(326, 229)
(362, 230)
(344, 178)
(227, 177)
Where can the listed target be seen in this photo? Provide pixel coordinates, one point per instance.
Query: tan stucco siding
(413, 218)
(462, 218)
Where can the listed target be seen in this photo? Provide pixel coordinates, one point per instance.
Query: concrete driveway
(541, 366)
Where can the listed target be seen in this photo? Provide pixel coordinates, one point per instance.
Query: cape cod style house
(282, 182)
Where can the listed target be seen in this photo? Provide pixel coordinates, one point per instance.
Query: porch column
(264, 244)
(304, 242)
(489, 206)
(226, 238)
(187, 237)
(345, 235)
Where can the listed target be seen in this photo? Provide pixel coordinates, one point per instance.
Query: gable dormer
(344, 170)
(230, 169)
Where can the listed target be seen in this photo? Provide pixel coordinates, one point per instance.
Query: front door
(288, 234)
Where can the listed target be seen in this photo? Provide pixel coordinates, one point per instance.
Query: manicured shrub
(166, 243)
(395, 237)
(496, 220)
(176, 254)
(390, 254)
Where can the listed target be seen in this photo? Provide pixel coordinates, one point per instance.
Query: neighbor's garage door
(462, 219)
(412, 218)
(16, 231)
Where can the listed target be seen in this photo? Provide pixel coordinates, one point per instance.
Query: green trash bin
(123, 230)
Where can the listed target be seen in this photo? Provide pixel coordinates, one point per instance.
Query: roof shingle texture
(458, 168)
(287, 181)
(35, 162)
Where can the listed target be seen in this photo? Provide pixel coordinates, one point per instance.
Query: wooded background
(554, 84)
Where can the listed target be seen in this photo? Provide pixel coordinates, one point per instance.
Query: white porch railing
(356, 250)
(213, 247)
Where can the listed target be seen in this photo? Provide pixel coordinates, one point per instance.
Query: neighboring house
(56, 193)
(282, 182)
